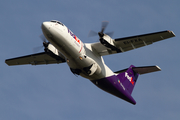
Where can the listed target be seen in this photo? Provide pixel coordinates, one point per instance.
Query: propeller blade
(43, 38)
(92, 33)
(45, 44)
(101, 33)
(104, 25)
(110, 34)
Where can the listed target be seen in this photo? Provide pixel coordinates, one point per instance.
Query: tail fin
(128, 77)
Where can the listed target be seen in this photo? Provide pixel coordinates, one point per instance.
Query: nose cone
(45, 27)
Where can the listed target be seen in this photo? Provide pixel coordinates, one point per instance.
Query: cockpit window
(55, 21)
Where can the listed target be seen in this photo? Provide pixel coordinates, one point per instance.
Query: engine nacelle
(53, 52)
(109, 43)
(107, 40)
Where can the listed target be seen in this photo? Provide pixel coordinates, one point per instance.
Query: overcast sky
(52, 92)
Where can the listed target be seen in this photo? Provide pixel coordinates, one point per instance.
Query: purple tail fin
(128, 78)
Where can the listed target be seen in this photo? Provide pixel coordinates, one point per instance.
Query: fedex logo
(129, 78)
(74, 36)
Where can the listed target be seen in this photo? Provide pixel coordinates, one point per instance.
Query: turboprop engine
(52, 51)
(105, 39)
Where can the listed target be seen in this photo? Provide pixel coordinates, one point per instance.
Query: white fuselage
(81, 58)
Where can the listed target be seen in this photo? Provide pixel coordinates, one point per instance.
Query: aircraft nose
(45, 26)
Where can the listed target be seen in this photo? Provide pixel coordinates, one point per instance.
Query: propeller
(103, 27)
(45, 44)
(101, 33)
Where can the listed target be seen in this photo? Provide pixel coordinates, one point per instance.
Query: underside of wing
(133, 42)
(35, 59)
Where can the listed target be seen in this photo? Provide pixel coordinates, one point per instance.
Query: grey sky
(53, 92)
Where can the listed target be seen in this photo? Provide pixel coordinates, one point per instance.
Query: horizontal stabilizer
(142, 70)
(147, 69)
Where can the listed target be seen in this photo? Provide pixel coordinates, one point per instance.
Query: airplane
(86, 59)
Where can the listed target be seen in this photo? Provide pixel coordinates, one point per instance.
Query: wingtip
(159, 69)
(171, 32)
(6, 61)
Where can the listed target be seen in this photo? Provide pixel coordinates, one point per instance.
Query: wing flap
(34, 59)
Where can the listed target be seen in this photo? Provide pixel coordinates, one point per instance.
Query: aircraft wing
(35, 59)
(133, 42)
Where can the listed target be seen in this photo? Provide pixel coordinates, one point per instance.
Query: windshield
(55, 21)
